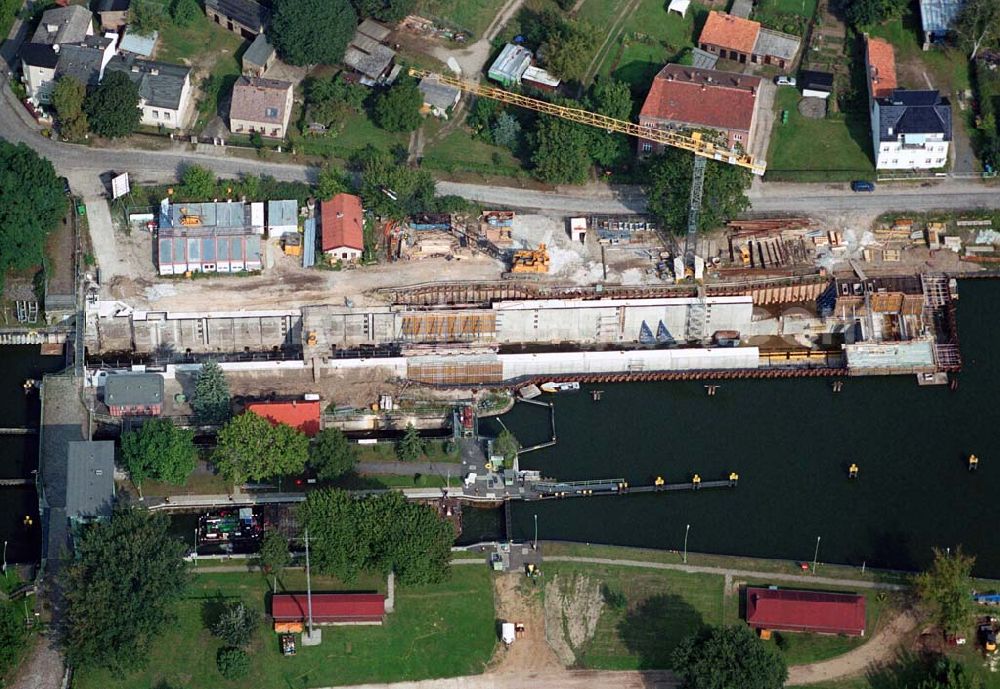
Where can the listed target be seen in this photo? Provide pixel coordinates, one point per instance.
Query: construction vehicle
(988, 634)
(531, 260)
(189, 220)
(702, 149)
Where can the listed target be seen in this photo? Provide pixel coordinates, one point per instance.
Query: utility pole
(816, 555)
(312, 638)
(536, 532)
(5, 558)
(687, 530)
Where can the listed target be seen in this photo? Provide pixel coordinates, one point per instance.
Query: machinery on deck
(702, 149)
(531, 260)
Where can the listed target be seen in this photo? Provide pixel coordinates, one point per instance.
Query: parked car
(65, 184)
(862, 185)
(784, 81)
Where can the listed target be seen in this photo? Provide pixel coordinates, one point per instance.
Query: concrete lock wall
(887, 355)
(614, 320)
(556, 363)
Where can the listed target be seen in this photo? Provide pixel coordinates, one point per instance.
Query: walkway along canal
(791, 442)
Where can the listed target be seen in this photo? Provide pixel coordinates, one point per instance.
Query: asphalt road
(82, 165)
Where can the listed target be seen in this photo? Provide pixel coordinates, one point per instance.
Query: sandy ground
(518, 601)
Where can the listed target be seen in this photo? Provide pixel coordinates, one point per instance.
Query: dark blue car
(862, 185)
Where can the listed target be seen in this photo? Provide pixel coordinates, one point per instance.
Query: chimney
(55, 48)
(155, 71)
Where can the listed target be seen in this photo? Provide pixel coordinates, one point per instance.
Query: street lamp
(687, 529)
(5, 558)
(536, 532)
(816, 555)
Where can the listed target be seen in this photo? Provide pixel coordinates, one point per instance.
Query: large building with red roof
(341, 222)
(303, 416)
(683, 97)
(819, 612)
(329, 608)
(744, 40)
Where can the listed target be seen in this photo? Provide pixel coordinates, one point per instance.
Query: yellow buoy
(973, 462)
(695, 481)
(734, 477)
(659, 481)
(852, 471)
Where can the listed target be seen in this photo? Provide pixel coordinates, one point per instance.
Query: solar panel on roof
(223, 248)
(166, 255)
(194, 249)
(208, 249)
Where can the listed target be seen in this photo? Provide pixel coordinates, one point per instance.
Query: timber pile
(753, 228)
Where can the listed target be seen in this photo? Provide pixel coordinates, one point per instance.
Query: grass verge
(436, 631)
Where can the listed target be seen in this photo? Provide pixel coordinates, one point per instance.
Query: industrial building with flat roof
(212, 237)
(510, 65)
(819, 612)
(90, 480)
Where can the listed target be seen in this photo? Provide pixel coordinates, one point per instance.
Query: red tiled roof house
(880, 59)
(329, 608)
(806, 611)
(342, 227)
(303, 416)
(744, 40)
(687, 98)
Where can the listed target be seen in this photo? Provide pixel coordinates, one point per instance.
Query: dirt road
(880, 649)
(567, 679)
(518, 601)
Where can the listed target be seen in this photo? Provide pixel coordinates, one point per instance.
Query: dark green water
(19, 454)
(791, 442)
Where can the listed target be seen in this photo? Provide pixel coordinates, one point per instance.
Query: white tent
(679, 6)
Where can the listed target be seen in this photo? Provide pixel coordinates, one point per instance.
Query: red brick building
(688, 98)
(329, 608)
(806, 611)
(303, 416)
(134, 394)
(744, 40)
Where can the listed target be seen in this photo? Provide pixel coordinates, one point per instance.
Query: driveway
(761, 134)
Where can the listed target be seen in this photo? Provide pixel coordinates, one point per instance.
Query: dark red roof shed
(806, 611)
(328, 608)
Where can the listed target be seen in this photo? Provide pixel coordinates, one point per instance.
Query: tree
(978, 24)
(159, 450)
(724, 657)
(562, 151)
(385, 10)
(411, 447)
(12, 636)
(482, 115)
(274, 556)
(332, 454)
(506, 131)
(390, 189)
(31, 204)
(210, 403)
(233, 663)
(947, 589)
(567, 50)
(236, 624)
(330, 100)
(864, 13)
(377, 533)
(184, 12)
(250, 448)
(119, 589)
(145, 17)
(308, 32)
(113, 107)
(67, 99)
(506, 445)
(397, 109)
(669, 190)
(946, 673)
(197, 183)
(331, 181)
(614, 99)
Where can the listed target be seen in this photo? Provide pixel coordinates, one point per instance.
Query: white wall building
(911, 130)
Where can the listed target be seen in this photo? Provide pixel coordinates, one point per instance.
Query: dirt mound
(573, 606)
(519, 601)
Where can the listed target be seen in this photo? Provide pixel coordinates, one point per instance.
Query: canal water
(791, 441)
(19, 453)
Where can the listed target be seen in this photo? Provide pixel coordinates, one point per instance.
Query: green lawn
(649, 39)
(803, 8)
(663, 608)
(436, 631)
(836, 148)
(459, 151)
(947, 67)
(434, 451)
(471, 15)
(358, 131)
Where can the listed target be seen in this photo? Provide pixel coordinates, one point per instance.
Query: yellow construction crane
(702, 150)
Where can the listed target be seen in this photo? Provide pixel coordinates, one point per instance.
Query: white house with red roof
(342, 227)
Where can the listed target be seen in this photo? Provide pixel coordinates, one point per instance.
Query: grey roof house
(164, 89)
(134, 394)
(85, 62)
(244, 17)
(438, 97)
(260, 106)
(911, 130)
(369, 58)
(282, 217)
(70, 24)
(90, 480)
(258, 57)
(113, 13)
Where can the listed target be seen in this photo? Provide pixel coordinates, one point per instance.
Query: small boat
(560, 387)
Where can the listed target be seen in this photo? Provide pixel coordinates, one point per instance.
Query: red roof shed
(301, 415)
(806, 611)
(329, 608)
